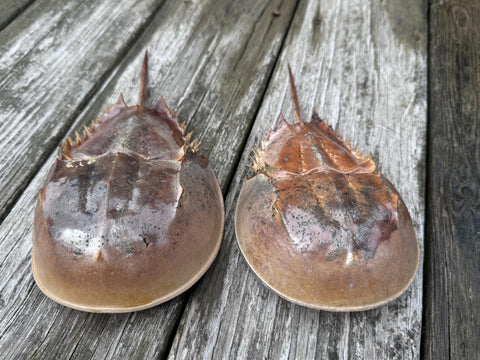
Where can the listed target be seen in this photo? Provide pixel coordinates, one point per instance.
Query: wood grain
(452, 281)
(9, 9)
(211, 60)
(53, 56)
(365, 72)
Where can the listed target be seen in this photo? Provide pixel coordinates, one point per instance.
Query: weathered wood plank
(363, 65)
(53, 56)
(213, 59)
(452, 292)
(9, 9)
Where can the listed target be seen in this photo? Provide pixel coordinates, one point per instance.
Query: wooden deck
(400, 78)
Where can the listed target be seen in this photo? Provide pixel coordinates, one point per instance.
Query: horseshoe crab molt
(320, 225)
(130, 216)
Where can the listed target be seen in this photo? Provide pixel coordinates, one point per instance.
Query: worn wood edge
(10, 9)
(73, 338)
(49, 69)
(452, 271)
(231, 314)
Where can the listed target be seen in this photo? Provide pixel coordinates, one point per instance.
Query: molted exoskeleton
(320, 225)
(130, 216)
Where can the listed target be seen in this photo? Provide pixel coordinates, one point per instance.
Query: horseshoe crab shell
(130, 216)
(320, 225)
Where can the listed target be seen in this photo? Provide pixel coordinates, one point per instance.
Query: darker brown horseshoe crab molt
(320, 225)
(130, 216)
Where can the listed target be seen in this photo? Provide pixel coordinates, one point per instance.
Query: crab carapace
(319, 224)
(130, 216)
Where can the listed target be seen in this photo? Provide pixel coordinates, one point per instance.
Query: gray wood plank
(9, 9)
(53, 56)
(362, 64)
(452, 282)
(211, 60)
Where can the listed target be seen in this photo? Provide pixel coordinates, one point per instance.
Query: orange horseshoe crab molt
(130, 216)
(320, 225)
